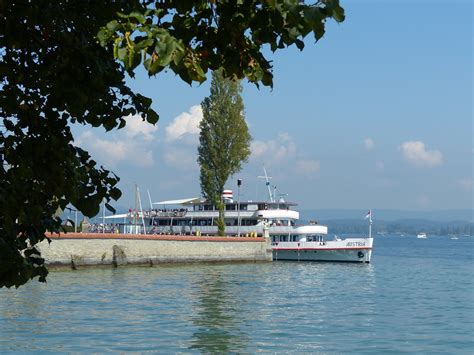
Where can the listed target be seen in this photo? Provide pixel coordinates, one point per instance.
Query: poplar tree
(224, 140)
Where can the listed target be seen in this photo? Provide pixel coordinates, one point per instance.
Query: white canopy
(184, 201)
(123, 215)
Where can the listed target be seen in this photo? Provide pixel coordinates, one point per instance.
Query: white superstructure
(197, 216)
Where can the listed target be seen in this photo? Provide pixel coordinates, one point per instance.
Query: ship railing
(204, 230)
(215, 214)
(158, 213)
(187, 230)
(275, 229)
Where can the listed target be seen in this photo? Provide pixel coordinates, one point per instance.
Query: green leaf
(112, 25)
(138, 16)
(152, 117)
(115, 193)
(338, 14)
(110, 208)
(149, 42)
(122, 54)
(299, 44)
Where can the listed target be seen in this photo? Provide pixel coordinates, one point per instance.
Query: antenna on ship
(149, 198)
(141, 211)
(267, 182)
(138, 204)
(103, 216)
(135, 210)
(369, 216)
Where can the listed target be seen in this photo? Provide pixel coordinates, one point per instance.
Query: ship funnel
(227, 196)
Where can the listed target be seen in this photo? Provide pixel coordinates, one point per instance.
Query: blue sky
(378, 114)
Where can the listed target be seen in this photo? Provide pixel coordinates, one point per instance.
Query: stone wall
(76, 250)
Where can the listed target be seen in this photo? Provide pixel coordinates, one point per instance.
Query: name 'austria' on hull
(341, 250)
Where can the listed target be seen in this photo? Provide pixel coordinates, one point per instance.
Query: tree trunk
(221, 220)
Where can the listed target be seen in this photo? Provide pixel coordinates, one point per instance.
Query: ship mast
(141, 210)
(138, 211)
(267, 182)
(370, 223)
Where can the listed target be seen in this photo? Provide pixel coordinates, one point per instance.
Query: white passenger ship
(275, 219)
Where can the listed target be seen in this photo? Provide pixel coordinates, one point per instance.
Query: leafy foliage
(224, 139)
(53, 73)
(191, 37)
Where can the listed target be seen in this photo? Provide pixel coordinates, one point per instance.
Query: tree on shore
(65, 62)
(224, 140)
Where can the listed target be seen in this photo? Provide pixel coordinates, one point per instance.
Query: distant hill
(446, 222)
(459, 215)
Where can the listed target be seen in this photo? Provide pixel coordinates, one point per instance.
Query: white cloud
(187, 123)
(307, 167)
(369, 144)
(137, 127)
(284, 137)
(282, 150)
(423, 201)
(183, 129)
(274, 150)
(416, 153)
(379, 166)
(110, 152)
(182, 159)
(466, 184)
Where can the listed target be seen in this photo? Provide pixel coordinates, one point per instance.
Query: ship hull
(335, 251)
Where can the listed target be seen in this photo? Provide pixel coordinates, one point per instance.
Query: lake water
(416, 296)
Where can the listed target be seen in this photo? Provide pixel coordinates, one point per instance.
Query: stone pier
(87, 249)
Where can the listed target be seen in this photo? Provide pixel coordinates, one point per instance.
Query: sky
(377, 114)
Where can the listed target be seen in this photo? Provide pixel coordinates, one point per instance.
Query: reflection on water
(216, 316)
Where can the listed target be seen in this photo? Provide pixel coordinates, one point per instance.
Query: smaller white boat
(421, 236)
(309, 244)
